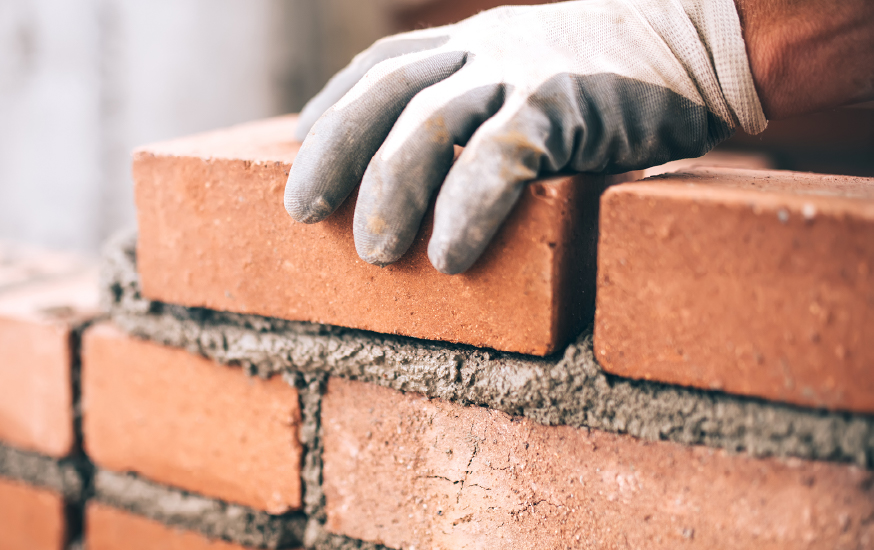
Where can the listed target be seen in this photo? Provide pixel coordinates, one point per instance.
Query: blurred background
(82, 82)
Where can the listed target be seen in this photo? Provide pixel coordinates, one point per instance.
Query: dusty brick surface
(757, 283)
(184, 421)
(30, 518)
(111, 529)
(214, 233)
(416, 473)
(40, 308)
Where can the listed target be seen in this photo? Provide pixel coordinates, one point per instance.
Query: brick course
(31, 518)
(407, 472)
(184, 421)
(112, 529)
(214, 233)
(757, 283)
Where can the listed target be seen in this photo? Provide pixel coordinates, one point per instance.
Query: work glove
(583, 86)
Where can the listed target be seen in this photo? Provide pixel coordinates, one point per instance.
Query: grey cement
(68, 477)
(569, 388)
(217, 519)
(310, 388)
(213, 518)
(61, 476)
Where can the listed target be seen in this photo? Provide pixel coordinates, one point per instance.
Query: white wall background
(82, 82)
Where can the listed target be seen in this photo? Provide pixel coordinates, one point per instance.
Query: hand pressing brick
(213, 232)
(758, 283)
(407, 472)
(39, 315)
(184, 421)
(31, 518)
(107, 528)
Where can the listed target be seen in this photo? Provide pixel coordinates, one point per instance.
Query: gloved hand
(589, 85)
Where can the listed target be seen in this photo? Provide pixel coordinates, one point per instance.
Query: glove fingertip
(446, 259)
(376, 241)
(311, 210)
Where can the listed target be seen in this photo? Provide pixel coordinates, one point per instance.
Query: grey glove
(584, 86)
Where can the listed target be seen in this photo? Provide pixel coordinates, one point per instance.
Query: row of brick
(398, 468)
(406, 471)
(749, 282)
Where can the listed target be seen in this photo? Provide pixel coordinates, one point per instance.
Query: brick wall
(721, 400)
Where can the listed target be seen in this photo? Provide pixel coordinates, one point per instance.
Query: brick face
(213, 232)
(757, 283)
(30, 518)
(184, 421)
(411, 472)
(111, 529)
(36, 322)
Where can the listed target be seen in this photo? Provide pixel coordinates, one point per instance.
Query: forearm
(809, 55)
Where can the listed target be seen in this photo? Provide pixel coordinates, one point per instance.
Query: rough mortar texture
(68, 477)
(213, 518)
(311, 387)
(565, 389)
(62, 476)
(110, 528)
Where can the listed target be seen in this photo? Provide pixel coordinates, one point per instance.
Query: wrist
(809, 55)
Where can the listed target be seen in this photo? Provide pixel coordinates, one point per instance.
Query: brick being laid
(408, 471)
(214, 233)
(758, 283)
(184, 421)
(46, 299)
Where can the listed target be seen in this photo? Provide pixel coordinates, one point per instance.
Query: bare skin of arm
(809, 55)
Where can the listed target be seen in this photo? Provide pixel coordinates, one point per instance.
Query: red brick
(31, 518)
(758, 283)
(184, 421)
(36, 320)
(214, 233)
(411, 472)
(110, 529)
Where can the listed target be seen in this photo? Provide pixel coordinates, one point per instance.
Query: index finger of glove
(345, 79)
(334, 156)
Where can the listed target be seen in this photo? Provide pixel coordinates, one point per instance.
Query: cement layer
(62, 476)
(213, 518)
(310, 388)
(569, 388)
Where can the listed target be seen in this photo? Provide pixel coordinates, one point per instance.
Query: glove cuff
(718, 26)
